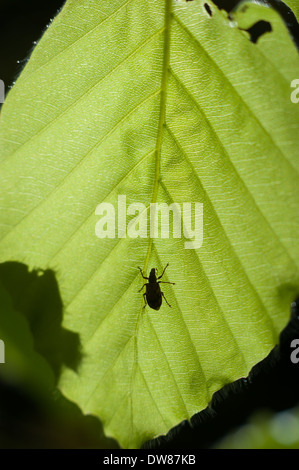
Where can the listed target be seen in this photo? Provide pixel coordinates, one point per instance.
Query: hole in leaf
(258, 29)
(282, 9)
(208, 9)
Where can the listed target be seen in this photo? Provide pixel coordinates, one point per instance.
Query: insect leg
(142, 287)
(144, 277)
(145, 304)
(163, 271)
(166, 282)
(165, 299)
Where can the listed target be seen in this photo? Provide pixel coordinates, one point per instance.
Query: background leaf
(293, 4)
(266, 431)
(127, 98)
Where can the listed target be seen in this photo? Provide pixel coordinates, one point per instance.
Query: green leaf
(158, 101)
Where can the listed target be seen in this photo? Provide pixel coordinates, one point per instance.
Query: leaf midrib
(163, 97)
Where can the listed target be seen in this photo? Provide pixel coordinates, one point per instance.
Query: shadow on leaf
(33, 413)
(36, 295)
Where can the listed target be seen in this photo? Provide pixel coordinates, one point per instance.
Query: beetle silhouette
(153, 294)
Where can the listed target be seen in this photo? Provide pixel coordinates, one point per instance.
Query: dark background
(21, 23)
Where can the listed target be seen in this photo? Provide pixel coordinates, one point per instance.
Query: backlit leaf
(158, 101)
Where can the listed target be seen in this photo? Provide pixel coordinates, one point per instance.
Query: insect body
(153, 294)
